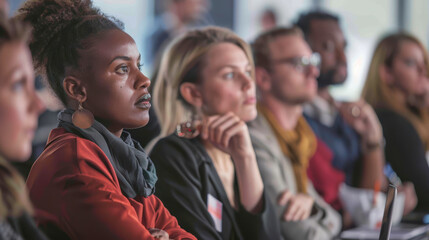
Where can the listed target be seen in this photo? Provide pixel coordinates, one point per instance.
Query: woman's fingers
(299, 208)
(207, 121)
(212, 122)
(230, 132)
(306, 214)
(221, 128)
(284, 198)
(292, 210)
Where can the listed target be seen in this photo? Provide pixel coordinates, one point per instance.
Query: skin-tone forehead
(325, 29)
(225, 54)
(109, 45)
(411, 49)
(10, 60)
(288, 46)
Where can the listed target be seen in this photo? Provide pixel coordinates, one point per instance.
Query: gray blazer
(277, 174)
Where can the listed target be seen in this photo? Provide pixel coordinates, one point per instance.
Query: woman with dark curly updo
(93, 181)
(19, 108)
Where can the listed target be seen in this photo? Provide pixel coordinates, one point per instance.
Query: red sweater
(325, 178)
(73, 186)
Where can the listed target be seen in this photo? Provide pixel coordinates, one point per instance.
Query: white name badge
(214, 207)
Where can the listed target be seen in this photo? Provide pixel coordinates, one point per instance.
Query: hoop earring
(82, 118)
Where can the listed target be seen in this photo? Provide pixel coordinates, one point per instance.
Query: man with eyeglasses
(286, 72)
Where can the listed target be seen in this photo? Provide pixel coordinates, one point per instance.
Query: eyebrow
(233, 66)
(125, 58)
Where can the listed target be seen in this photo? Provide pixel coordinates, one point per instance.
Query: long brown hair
(13, 195)
(378, 94)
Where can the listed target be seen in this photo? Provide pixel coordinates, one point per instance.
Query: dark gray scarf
(135, 171)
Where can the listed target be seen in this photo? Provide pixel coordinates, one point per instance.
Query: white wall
(137, 16)
(419, 20)
(248, 12)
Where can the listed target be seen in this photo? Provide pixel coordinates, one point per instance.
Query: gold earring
(82, 118)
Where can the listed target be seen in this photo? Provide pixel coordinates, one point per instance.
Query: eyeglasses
(303, 63)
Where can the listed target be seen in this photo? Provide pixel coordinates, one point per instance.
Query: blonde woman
(19, 109)
(397, 77)
(209, 177)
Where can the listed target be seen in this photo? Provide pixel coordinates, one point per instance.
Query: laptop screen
(386, 224)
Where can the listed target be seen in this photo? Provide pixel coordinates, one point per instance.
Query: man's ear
(386, 75)
(74, 88)
(191, 94)
(263, 79)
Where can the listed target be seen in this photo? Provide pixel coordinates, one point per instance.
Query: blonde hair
(378, 94)
(183, 61)
(14, 199)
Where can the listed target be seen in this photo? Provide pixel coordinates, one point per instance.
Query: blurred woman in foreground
(19, 110)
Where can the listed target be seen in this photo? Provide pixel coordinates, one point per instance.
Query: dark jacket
(406, 154)
(187, 177)
(22, 227)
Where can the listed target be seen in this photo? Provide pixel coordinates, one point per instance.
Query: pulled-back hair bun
(60, 29)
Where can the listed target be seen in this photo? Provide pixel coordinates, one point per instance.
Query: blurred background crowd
(364, 22)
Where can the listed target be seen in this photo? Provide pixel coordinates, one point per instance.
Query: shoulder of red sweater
(65, 145)
(61, 136)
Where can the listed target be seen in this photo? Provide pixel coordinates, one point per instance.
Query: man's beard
(326, 79)
(330, 77)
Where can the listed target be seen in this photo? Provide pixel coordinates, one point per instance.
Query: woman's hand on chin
(228, 133)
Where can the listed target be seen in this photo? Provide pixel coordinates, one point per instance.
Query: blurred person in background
(208, 175)
(398, 76)
(351, 130)
(268, 19)
(178, 17)
(286, 72)
(19, 109)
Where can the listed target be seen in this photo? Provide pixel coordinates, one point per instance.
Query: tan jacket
(277, 174)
